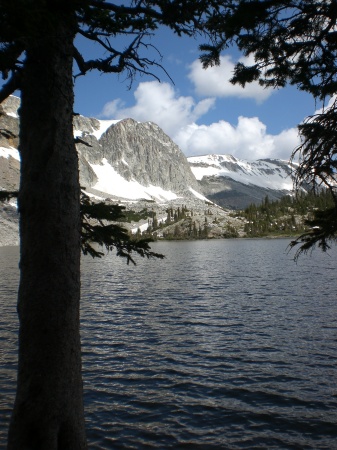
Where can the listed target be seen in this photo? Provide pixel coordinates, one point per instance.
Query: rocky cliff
(139, 153)
(131, 160)
(9, 141)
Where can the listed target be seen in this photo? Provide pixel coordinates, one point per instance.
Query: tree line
(184, 219)
(290, 215)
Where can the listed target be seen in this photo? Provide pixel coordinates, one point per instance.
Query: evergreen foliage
(133, 216)
(292, 41)
(101, 22)
(288, 216)
(178, 225)
(322, 230)
(97, 229)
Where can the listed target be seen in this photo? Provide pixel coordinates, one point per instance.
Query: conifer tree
(38, 54)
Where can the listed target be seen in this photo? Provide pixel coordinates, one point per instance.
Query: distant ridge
(234, 183)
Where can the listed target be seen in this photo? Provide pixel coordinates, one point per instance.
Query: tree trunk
(48, 410)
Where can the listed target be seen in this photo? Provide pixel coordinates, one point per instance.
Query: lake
(225, 344)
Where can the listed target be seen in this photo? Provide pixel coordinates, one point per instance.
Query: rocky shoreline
(218, 220)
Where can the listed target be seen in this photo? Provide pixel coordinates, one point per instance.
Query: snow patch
(198, 195)
(142, 228)
(103, 126)
(9, 152)
(12, 114)
(78, 133)
(96, 197)
(113, 183)
(200, 172)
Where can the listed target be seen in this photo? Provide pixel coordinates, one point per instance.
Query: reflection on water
(224, 344)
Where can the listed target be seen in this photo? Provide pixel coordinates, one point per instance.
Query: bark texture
(48, 411)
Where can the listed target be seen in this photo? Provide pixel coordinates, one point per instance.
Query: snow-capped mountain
(138, 164)
(130, 160)
(235, 183)
(267, 173)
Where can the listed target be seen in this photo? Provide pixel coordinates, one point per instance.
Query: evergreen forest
(287, 216)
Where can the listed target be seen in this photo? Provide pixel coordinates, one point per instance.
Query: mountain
(131, 160)
(235, 184)
(138, 165)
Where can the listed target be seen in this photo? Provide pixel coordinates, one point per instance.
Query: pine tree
(155, 222)
(37, 55)
(168, 217)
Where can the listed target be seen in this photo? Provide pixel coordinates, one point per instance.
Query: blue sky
(199, 109)
(202, 112)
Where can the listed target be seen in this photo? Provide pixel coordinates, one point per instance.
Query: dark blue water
(223, 345)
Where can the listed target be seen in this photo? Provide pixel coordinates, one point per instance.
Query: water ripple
(213, 348)
(223, 345)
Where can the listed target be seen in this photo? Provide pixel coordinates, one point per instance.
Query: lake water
(223, 345)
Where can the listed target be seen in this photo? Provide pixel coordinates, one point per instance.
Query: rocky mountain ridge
(138, 165)
(136, 152)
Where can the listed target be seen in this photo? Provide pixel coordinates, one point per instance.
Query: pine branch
(97, 229)
(128, 60)
(122, 10)
(7, 195)
(9, 57)
(322, 230)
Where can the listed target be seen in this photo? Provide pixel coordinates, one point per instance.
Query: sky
(199, 109)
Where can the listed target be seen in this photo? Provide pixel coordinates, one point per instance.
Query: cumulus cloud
(178, 116)
(247, 140)
(158, 102)
(214, 81)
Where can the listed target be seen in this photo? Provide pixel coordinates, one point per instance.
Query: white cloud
(214, 81)
(178, 116)
(110, 109)
(158, 102)
(285, 141)
(247, 140)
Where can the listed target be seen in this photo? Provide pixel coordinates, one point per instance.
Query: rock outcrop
(9, 142)
(139, 152)
(143, 152)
